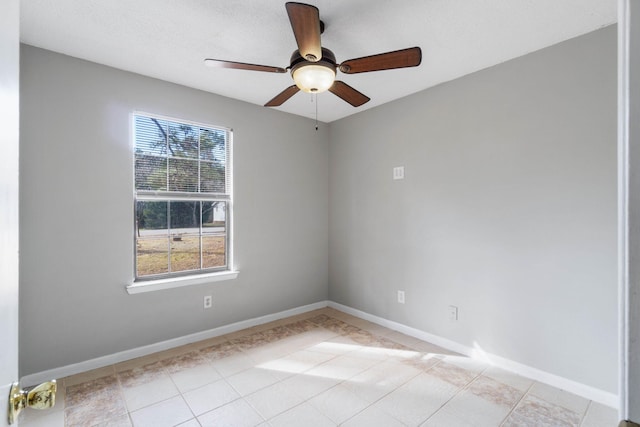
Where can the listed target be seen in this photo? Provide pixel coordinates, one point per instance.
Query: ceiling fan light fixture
(313, 67)
(314, 77)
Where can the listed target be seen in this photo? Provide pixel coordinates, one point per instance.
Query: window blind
(180, 158)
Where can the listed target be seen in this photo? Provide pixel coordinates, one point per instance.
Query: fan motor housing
(328, 60)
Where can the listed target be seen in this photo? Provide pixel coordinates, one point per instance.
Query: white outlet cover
(208, 301)
(453, 313)
(398, 172)
(401, 297)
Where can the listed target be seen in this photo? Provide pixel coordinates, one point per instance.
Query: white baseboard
(100, 362)
(588, 392)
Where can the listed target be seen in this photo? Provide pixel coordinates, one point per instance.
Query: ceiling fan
(314, 67)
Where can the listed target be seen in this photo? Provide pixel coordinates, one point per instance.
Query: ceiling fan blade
(280, 98)
(305, 22)
(219, 63)
(384, 61)
(348, 94)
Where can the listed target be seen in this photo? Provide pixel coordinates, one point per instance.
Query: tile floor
(322, 368)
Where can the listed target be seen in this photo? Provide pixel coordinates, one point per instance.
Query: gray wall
(508, 210)
(77, 213)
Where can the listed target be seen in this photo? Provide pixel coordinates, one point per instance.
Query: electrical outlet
(208, 301)
(401, 297)
(398, 172)
(453, 313)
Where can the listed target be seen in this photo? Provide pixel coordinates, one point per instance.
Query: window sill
(177, 282)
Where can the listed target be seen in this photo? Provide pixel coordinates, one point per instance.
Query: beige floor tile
(309, 338)
(34, 418)
(94, 412)
(403, 339)
(560, 397)
(253, 340)
(418, 399)
(167, 413)
(307, 386)
(176, 351)
(142, 374)
(191, 423)
(320, 311)
(235, 335)
(373, 417)
(342, 367)
(148, 393)
(220, 350)
(422, 361)
(494, 391)
(184, 360)
(338, 403)
(380, 380)
(233, 364)
(471, 365)
(382, 353)
(444, 418)
(519, 420)
(427, 347)
(95, 401)
(210, 341)
(88, 376)
(295, 363)
(191, 378)
(600, 415)
(92, 391)
(535, 411)
(302, 326)
(121, 421)
(274, 400)
(269, 352)
(252, 380)
(302, 415)
(346, 343)
(235, 414)
(137, 362)
(415, 355)
(472, 409)
(336, 346)
(452, 374)
(362, 323)
(209, 397)
(281, 322)
(509, 378)
(257, 328)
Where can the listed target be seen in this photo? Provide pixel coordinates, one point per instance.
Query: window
(182, 197)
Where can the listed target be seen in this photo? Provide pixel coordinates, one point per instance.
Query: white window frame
(189, 277)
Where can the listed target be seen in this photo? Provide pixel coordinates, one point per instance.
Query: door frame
(9, 198)
(629, 208)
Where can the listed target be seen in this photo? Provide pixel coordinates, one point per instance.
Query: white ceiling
(168, 39)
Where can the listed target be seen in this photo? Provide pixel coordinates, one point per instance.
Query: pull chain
(316, 99)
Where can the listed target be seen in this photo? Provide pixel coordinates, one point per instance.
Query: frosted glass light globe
(314, 78)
